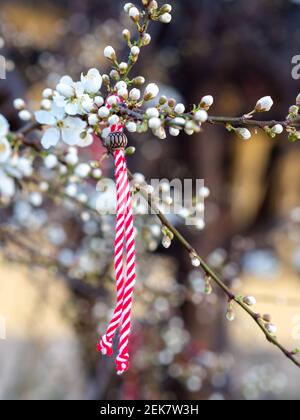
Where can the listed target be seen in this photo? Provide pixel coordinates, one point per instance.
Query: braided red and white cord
(125, 268)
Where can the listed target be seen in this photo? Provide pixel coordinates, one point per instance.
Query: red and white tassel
(124, 253)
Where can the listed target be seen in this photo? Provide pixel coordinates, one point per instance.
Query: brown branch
(140, 115)
(209, 272)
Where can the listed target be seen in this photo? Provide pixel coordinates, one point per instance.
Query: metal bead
(116, 141)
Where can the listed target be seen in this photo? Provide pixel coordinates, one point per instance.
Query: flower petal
(86, 141)
(58, 111)
(72, 108)
(45, 117)
(70, 136)
(50, 138)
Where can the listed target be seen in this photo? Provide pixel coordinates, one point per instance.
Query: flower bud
(114, 74)
(99, 101)
(154, 123)
(165, 18)
(135, 95)
(127, 35)
(139, 81)
(19, 104)
(152, 113)
(264, 104)
(298, 100)
(174, 131)
(47, 93)
(172, 103)
(146, 39)
(267, 318)
(131, 126)
(134, 14)
(110, 53)
(106, 80)
(201, 116)
(25, 115)
(103, 112)
(123, 67)
(243, 133)
(249, 300)
(271, 328)
(93, 119)
(127, 7)
(151, 92)
(130, 151)
(135, 51)
(206, 102)
(166, 8)
(179, 109)
(163, 100)
(277, 129)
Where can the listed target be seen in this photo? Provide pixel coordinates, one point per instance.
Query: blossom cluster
(12, 166)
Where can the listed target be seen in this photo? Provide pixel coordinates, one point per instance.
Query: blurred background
(183, 346)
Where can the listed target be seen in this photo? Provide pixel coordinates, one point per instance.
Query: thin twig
(209, 272)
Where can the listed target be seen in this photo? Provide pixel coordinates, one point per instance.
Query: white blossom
(36, 199)
(114, 120)
(46, 104)
(146, 39)
(264, 104)
(271, 328)
(99, 101)
(135, 94)
(151, 91)
(123, 93)
(206, 102)
(71, 158)
(250, 300)
(134, 13)
(103, 112)
(152, 113)
(244, 133)
(60, 127)
(82, 170)
(277, 129)
(19, 104)
(25, 115)
(47, 93)
(93, 119)
(165, 18)
(5, 150)
(121, 85)
(131, 126)
(135, 51)
(92, 82)
(154, 123)
(72, 97)
(174, 131)
(201, 116)
(51, 161)
(4, 126)
(7, 185)
(112, 100)
(127, 7)
(86, 139)
(110, 53)
(179, 109)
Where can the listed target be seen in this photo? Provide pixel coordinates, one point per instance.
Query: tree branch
(209, 272)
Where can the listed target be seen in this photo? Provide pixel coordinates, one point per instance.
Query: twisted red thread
(124, 284)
